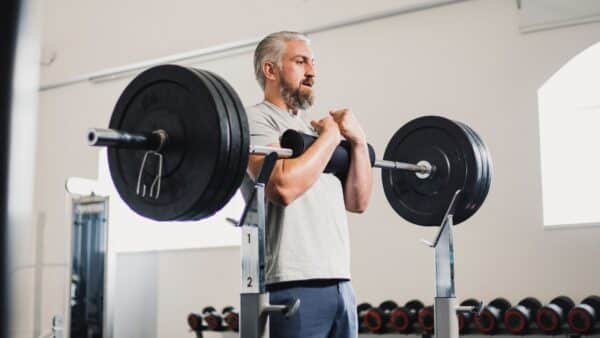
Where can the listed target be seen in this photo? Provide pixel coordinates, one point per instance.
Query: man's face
(297, 75)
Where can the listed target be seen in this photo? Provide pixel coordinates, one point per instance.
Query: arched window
(569, 115)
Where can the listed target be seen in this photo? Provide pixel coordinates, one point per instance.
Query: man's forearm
(292, 177)
(359, 182)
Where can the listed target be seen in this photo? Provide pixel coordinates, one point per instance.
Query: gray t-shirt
(309, 238)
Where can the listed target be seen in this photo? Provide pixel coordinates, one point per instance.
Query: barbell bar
(178, 147)
(157, 139)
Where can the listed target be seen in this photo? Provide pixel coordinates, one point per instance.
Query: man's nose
(309, 69)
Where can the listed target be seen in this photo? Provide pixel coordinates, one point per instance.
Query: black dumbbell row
(529, 316)
(211, 320)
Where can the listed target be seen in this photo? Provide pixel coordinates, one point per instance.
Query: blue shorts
(327, 309)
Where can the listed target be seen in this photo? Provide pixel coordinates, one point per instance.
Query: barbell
(179, 142)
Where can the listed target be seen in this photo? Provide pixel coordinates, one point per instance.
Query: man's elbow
(361, 209)
(358, 208)
(286, 198)
(282, 195)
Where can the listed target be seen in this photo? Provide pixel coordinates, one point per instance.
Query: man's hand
(349, 126)
(328, 126)
(292, 177)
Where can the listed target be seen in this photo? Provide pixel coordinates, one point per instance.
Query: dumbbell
(377, 319)
(426, 319)
(520, 318)
(213, 319)
(551, 317)
(491, 317)
(402, 319)
(465, 318)
(196, 322)
(585, 317)
(231, 317)
(361, 311)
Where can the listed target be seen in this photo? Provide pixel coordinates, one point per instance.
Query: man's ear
(270, 70)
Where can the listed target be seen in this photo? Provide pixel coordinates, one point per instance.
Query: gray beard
(296, 100)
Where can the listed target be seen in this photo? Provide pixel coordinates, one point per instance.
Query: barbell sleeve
(119, 139)
(419, 168)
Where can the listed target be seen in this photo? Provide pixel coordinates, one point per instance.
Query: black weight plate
(482, 168)
(213, 203)
(243, 133)
(216, 202)
(204, 203)
(487, 166)
(473, 203)
(446, 146)
(231, 185)
(174, 99)
(240, 133)
(240, 136)
(490, 165)
(485, 180)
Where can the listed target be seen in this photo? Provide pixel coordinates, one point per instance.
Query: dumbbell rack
(254, 299)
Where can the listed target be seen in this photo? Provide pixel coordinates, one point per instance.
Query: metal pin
(156, 182)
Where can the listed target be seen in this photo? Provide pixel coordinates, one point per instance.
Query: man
(308, 252)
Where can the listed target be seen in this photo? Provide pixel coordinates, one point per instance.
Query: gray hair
(271, 49)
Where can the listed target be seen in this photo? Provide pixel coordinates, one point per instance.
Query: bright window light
(569, 114)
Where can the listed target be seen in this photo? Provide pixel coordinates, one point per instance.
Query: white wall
(466, 61)
(136, 296)
(88, 36)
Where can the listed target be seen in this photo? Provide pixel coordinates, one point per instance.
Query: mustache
(309, 81)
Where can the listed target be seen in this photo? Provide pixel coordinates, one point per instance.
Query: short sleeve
(263, 129)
